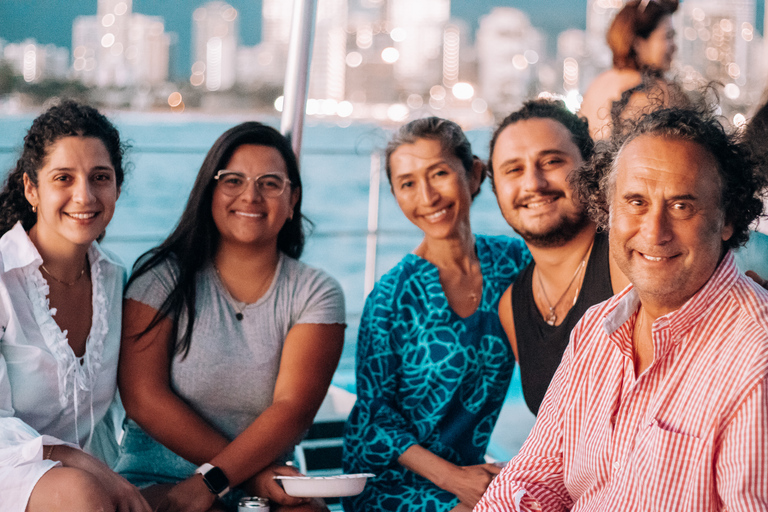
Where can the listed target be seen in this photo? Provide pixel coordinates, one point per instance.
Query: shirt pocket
(671, 474)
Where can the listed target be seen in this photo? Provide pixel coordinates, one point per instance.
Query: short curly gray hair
(743, 185)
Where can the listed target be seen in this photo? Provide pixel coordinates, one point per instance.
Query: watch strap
(214, 479)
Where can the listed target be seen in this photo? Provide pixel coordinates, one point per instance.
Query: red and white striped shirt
(689, 434)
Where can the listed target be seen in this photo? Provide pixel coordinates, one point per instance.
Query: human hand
(756, 278)
(190, 495)
(263, 484)
(469, 483)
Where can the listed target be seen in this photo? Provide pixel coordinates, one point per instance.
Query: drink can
(253, 504)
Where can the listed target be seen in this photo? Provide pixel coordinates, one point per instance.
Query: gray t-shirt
(229, 374)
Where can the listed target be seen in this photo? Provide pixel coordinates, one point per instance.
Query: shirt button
(616, 465)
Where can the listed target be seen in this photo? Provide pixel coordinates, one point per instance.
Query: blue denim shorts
(144, 462)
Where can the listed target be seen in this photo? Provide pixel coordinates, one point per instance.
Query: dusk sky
(50, 21)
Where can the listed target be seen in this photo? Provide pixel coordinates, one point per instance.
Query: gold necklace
(59, 280)
(552, 317)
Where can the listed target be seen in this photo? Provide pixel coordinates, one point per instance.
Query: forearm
(272, 434)
(425, 463)
(175, 425)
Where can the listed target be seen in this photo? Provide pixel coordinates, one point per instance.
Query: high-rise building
(148, 49)
(719, 43)
(419, 28)
(113, 24)
(329, 49)
(34, 62)
(508, 52)
(214, 46)
(117, 48)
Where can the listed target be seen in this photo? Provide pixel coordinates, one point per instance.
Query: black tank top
(540, 346)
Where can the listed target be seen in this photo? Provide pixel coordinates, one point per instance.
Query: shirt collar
(689, 314)
(18, 251)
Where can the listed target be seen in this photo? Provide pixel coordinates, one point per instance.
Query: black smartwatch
(214, 478)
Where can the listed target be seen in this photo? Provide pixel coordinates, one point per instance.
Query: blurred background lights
(174, 99)
(739, 120)
(398, 34)
(121, 8)
(344, 109)
(108, 40)
(354, 59)
(397, 112)
(390, 55)
(531, 56)
(519, 61)
(108, 20)
(732, 91)
(479, 105)
(463, 91)
(415, 101)
(437, 92)
(279, 104)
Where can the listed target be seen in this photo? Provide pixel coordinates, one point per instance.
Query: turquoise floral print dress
(427, 376)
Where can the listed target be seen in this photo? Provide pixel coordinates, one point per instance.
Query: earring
(34, 208)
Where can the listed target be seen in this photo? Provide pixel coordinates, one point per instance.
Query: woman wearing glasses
(433, 362)
(642, 40)
(229, 342)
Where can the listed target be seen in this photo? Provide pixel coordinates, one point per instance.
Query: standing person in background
(229, 342)
(641, 38)
(433, 363)
(60, 310)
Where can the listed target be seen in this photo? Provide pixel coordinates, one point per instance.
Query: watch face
(216, 479)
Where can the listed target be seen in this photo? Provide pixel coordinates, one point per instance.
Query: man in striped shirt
(661, 399)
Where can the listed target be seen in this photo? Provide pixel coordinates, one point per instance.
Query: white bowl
(324, 486)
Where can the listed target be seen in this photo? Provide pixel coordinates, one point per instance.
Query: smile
(539, 203)
(250, 215)
(432, 217)
(82, 216)
(655, 258)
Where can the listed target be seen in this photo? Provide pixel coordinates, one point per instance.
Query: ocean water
(336, 162)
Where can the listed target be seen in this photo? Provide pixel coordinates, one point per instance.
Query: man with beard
(532, 153)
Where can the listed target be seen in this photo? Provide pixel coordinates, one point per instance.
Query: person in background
(229, 342)
(60, 310)
(641, 38)
(661, 400)
(433, 364)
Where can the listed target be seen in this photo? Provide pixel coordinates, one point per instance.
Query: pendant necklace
(235, 304)
(552, 317)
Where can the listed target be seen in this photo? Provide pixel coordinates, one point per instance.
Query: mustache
(550, 194)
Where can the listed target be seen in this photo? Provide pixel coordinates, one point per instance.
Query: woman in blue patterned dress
(433, 363)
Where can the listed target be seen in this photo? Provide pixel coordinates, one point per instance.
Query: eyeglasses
(234, 183)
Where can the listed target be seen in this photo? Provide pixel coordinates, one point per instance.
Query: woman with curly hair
(229, 341)
(60, 310)
(641, 38)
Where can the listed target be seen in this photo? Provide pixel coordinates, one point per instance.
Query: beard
(557, 235)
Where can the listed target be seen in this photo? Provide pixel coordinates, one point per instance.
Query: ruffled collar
(75, 375)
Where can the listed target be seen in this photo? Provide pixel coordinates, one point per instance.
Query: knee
(69, 489)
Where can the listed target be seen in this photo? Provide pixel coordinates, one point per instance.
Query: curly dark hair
(67, 119)
(743, 185)
(637, 19)
(449, 134)
(547, 109)
(193, 243)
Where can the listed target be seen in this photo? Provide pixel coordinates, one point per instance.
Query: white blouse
(47, 394)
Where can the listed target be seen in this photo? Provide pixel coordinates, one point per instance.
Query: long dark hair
(67, 119)
(193, 243)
